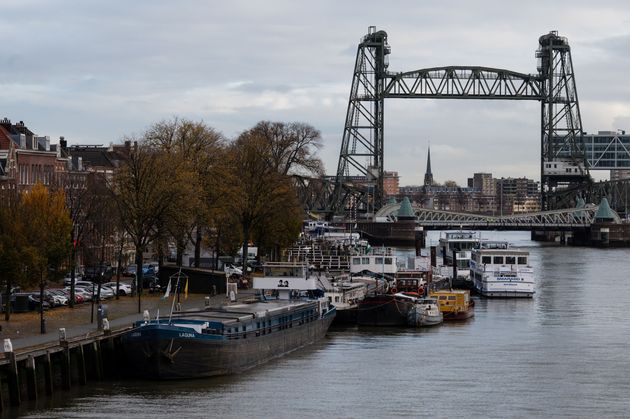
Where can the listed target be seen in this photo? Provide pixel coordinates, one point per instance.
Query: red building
(27, 159)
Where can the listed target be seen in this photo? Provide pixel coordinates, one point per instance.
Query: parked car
(130, 270)
(55, 298)
(23, 301)
(87, 295)
(78, 298)
(106, 292)
(98, 273)
(123, 289)
(154, 265)
(68, 280)
(232, 270)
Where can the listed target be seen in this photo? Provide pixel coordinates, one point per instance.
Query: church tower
(428, 176)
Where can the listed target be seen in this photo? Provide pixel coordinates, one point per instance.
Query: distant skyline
(97, 71)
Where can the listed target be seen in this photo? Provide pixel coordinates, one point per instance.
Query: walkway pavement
(24, 328)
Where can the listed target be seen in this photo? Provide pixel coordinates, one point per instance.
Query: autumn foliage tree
(197, 151)
(46, 233)
(12, 243)
(261, 159)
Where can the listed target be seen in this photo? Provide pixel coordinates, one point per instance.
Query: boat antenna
(170, 316)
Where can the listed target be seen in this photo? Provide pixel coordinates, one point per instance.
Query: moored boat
(344, 294)
(384, 309)
(232, 338)
(426, 312)
(455, 249)
(454, 304)
(499, 270)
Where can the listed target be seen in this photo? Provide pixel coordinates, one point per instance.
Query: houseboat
(454, 304)
(344, 293)
(499, 270)
(217, 341)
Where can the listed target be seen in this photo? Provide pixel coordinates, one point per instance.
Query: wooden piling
(98, 360)
(48, 375)
(66, 372)
(81, 365)
(14, 381)
(31, 378)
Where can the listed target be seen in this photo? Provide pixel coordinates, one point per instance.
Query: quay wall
(597, 235)
(33, 373)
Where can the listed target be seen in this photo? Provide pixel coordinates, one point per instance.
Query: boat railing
(283, 324)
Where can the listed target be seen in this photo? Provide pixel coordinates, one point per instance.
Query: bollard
(62, 334)
(206, 301)
(12, 374)
(106, 329)
(8, 346)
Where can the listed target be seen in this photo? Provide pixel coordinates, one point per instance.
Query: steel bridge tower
(362, 144)
(563, 158)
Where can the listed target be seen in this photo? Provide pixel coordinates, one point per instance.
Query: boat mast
(170, 317)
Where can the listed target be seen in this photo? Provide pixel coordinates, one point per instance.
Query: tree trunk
(7, 301)
(180, 252)
(73, 266)
(246, 227)
(197, 246)
(217, 245)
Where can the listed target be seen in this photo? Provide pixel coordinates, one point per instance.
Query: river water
(566, 352)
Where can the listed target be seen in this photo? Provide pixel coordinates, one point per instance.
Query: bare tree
(292, 147)
(145, 189)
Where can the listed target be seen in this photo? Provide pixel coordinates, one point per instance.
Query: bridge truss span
(443, 220)
(459, 82)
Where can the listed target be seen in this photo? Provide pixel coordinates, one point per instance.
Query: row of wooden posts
(39, 371)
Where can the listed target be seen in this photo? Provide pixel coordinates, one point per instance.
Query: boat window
(510, 260)
(365, 261)
(498, 260)
(336, 299)
(452, 297)
(486, 259)
(356, 261)
(388, 261)
(378, 261)
(522, 260)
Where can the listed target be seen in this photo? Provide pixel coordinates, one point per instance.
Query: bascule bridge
(564, 168)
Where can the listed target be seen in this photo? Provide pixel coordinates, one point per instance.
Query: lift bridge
(564, 165)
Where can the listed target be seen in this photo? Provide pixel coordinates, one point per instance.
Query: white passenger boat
(498, 270)
(461, 243)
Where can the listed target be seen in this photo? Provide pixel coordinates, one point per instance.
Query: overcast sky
(94, 71)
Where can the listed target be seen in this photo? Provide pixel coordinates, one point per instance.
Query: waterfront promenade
(24, 328)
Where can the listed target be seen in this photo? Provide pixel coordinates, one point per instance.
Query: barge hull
(162, 354)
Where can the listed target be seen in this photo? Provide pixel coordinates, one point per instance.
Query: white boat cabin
(285, 277)
(383, 263)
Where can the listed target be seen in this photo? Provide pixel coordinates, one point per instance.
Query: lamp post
(42, 321)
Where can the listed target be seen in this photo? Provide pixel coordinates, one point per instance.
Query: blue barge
(235, 337)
